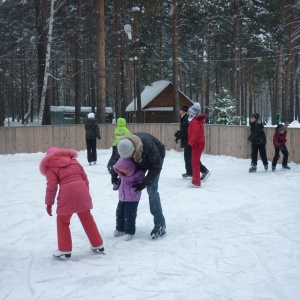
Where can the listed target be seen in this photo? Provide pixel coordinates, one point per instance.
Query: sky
(237, 237)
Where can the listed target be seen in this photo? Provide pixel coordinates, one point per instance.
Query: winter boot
(158, 231)
(252, 168)
(205, 175)
(286, 167)
(58, 253)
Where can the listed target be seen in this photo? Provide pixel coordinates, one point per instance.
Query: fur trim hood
(58, 159)
(138, 145)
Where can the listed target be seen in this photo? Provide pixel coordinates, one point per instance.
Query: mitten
(114, 178)
(177, 134)
(116, 184)
(138, 186)
(49, 209)
(176, 140)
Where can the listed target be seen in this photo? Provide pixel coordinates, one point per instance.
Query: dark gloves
(49, 209)
(138, 187)
(114, 178)
(177, 135)
(116, 184)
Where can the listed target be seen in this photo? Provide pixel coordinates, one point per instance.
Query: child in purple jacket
(128, 199)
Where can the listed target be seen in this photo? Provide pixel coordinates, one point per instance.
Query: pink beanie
(51, 150)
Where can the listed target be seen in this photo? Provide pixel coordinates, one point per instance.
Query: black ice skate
(157, 232)
(252, 168)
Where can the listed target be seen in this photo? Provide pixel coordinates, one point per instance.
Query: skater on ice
(65, 173)
(279, 141)
(148, 154)
(92, 133)
(182, 135)
(196, 139)
(258, 141)
(128, 198)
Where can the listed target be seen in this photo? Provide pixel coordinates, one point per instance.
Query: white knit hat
(125, 148)
(91, 116)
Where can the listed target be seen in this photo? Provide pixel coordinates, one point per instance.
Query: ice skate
(97, 249)
(252, 168)
(157, 232)
(205, 175)
(58, 253)
(118, 233)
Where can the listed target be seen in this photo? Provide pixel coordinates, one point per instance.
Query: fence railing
(220, 139)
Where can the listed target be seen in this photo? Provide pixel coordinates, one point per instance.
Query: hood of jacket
(201, 118)
(138, 145)
(121, 122)
(60, 158)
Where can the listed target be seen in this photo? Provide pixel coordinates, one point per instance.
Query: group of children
(258, 141)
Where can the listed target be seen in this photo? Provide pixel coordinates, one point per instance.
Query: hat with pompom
(91, 116)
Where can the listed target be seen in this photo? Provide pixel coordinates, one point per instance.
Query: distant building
(157, 103)
(66, 114)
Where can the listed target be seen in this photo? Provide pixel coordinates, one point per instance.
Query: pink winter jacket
(61, 168)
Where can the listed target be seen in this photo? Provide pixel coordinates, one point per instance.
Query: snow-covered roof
(149, 93)
(72, 109)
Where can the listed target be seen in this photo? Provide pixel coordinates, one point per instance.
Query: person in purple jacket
(128, 198)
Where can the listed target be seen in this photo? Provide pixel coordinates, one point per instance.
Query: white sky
(235, 238)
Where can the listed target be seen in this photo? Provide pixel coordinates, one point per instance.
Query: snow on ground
(235, 238)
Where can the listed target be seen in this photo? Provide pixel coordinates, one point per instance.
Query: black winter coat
(257, 135)
(184, 124)
(92, 129)
(148, 156)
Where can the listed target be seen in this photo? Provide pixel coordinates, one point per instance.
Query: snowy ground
(235, 238)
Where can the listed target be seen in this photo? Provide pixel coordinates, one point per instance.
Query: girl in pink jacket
(62, 169)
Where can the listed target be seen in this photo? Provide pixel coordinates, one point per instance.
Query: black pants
(111, 160)
(187, 153)
(262, 152)
(125, 216)
(91, 150)
(285, 153)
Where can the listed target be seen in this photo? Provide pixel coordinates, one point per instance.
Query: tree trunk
(118, 94)
(208, 63)
(48, 54)
(77, 64)
(176, 116)
(101, 105)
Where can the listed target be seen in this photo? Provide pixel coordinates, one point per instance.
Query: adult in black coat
(182, 135)
(92, 133)
(148, 154)
(258, 140)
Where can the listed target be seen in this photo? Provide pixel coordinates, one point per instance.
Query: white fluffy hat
(91, 116)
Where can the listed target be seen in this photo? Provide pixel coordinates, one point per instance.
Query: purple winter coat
(129, 175)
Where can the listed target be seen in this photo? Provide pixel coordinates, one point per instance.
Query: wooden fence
(220, 139)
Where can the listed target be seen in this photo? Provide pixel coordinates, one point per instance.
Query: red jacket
(61, 168)
(196, 133)
(279, 140)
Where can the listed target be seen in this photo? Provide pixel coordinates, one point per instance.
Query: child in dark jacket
(258, 139)
(128, 198)
(279, 140)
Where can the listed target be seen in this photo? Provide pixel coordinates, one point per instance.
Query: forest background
(234, 57)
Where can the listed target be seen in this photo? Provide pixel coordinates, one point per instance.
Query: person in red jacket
(63, 170)
(196, 139)
(279, 140)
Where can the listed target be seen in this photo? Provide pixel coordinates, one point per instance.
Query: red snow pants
(64, 234)
(196, 157)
